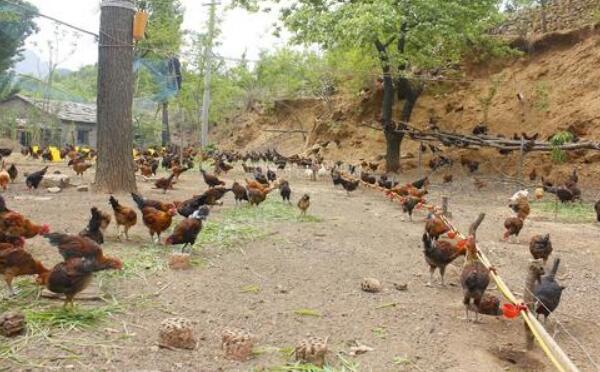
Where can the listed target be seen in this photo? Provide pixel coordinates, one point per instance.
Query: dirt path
(317, 264)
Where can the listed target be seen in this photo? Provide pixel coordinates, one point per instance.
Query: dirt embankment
(559, 83)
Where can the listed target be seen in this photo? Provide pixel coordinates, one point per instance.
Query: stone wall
(560, 15)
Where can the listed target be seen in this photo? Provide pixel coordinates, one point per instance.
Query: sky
(241, 31)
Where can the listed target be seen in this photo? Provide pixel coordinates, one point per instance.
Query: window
(83, 137)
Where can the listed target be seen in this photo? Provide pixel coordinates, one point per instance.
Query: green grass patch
(74, 318)
(307, 312)
(145, 259)
(253, 289)
(565, 212)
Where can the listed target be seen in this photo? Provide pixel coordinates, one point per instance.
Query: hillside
(559, 82)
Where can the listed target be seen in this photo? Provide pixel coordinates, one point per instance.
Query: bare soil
(313, 267)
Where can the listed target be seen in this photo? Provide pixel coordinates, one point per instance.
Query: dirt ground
(261, 282)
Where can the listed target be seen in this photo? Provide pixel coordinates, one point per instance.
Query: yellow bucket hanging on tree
(139, 25)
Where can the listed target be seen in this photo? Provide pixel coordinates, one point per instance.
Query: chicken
(489, 305)
(540, 246)
(157, 221)
(4, 178)
(521, 207)
(142, 202)
(386, 183)
(439, 254)
(304, 204)
(215, 194)
(124, 216)
(177, 171)
(16, 226)
(435, 226)
(348, 185)
(189, 206)
(13, 172)
(187, 230)
(165, 183)
(146, 170)
(285, 191)
(257, 196)
(211, 180)
(271, 175)
(74, 275)
(33, 180)
(539, 193)
(93, 230)
(80, 167)
(512, 226)
(261, 178)
(409, 204)
(15, 261)
(421, 183)
(548, 292)
(475, 277)
(239, 192)
(366, 177)
(252, 184)
(70, 246)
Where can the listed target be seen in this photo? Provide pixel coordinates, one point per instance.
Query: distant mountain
(33, 65)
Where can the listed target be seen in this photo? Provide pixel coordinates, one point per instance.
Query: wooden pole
(115, 168)
(420, 159)
(445, 210)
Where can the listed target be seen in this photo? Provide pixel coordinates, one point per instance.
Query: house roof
(65, 110)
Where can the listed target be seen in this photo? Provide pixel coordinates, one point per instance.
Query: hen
(239, 192)
(33, 180)
(211, 180)
(475, 277)
(80, 167)
(15, 261)
(440, 254)
(213, 195)
(4, 178)
(435, 226)
(157, 221)
(74, 275)
(15, 226)
(124, 216)
(548, 292)
(540, 246)
(70, 246)
(409, 204)
(142, 202)
(165, 183)
(93, 230)
(285, 191)
(187, 230)
(257, 196)
(304, 204)
(13, 172)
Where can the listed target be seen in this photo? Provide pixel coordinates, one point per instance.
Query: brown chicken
(540, 247)
(210, 180)
(146, 170)
(157, 221)
(178, 170)
(13, 172)
(257, 196)
(74, 275)
(489, 305)
(435, 226)
(475, 277)
(70, 246)
(514, 225)
(4, 178)
(124, 216)
(142, 202)
(439, 254)
(304, 204)
(15, 261)
(81, 167)
(165, 183)
(14, 227)
(239, 192)
(252, 184)
(187, 230)
(213, 195)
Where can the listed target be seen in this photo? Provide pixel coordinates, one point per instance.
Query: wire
(37, 13)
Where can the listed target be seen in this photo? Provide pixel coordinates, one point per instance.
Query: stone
(237, 344)
(54, 190)
(12, 324)
(180, 261)
(312, 350)
(371, 285)
(176, 333)
(56, 180)
(83, 188)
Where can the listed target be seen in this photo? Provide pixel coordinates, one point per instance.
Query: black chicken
(285, 191)
(33, 180)
(93, 231)
(548, 292)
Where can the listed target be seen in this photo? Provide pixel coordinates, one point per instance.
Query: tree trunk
(543, 6)
(115, 168)
(166, 134)
(393, 139)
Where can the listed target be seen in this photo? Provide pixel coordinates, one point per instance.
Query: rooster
(210, 180)
(93, 230)
(187, 230)
(439, 254)
(475, 277)
(33, 180)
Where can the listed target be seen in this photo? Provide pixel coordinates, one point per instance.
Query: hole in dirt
(518, 358)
